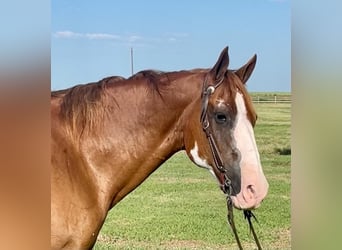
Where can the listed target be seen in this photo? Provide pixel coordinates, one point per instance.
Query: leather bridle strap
(218, 162)
(215, 152)
(248, 215)
(230, 217)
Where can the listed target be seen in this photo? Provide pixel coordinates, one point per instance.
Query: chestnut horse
(109, 136)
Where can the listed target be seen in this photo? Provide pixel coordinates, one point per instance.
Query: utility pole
(132, 61)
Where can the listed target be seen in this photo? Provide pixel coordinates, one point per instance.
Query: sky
(91, 40)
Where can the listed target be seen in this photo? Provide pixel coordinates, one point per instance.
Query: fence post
(275, 98)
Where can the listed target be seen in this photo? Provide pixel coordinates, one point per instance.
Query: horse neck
(145, 131)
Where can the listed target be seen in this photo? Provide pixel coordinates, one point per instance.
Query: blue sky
(92, 39)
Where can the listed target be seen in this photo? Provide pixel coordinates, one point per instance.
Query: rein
(218, 162)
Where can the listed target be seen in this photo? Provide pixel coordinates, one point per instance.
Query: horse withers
(109, 136)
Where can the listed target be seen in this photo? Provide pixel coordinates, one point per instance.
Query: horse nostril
(251, 189)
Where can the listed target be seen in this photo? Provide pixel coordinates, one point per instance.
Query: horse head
(219, 134)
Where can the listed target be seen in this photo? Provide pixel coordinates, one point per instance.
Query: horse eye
(220, 118)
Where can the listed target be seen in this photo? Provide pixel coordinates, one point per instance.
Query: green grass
(181, 207)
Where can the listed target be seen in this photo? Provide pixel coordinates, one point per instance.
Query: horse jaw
(204, 164)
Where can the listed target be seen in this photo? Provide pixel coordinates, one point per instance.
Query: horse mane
(83, 105)
(156, 81)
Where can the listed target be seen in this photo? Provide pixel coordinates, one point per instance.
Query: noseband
(208, 90)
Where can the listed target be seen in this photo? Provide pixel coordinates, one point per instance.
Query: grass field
(181, 207)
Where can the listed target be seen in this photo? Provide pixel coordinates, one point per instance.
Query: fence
(271, 98)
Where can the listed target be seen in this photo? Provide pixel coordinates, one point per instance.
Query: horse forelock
(235, 85)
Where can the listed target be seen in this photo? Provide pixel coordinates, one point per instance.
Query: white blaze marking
(244, 135)
(254, 185)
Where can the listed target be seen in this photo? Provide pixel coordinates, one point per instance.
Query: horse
(108, 136)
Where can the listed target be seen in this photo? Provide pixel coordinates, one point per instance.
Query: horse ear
(220, 67)
(246, 70)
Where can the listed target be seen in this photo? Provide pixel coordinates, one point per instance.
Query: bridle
(208, 90)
